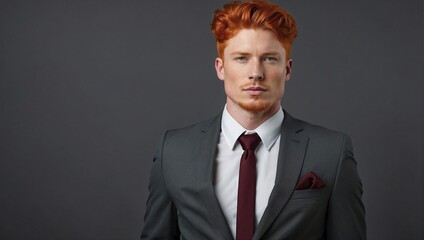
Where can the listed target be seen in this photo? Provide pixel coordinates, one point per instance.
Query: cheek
(233, 78)
(276, 72)
(233, 73)
(278, 85)
(277, 79)
(230, 86)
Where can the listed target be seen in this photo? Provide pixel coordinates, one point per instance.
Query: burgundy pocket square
(310, 181)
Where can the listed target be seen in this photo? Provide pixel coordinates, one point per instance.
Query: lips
(254, 91)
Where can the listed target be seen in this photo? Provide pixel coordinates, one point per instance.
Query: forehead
(257, 40)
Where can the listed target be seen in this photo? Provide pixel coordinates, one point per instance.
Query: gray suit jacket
(182, 202)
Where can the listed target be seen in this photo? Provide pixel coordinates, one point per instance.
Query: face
(254, 70)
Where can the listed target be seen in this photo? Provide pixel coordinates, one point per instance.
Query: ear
(219, 67)
(289, 65)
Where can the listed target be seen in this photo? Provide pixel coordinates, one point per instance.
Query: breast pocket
(309, 193)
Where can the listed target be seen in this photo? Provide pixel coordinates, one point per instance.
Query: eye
(270, 59)
(241, 59)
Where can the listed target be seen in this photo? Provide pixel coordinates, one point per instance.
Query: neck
(251, 120)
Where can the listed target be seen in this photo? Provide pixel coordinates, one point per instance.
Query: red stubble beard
(256, 103)
(257, 106)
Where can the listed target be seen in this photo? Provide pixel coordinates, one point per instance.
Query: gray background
(88, 87)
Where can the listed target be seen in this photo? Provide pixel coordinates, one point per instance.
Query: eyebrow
(271, 53)
(246, 54)
(240, 53)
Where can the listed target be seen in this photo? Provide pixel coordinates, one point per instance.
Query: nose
(256, 71)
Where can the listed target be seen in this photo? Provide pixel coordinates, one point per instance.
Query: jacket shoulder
(197, 129)
(313, 131)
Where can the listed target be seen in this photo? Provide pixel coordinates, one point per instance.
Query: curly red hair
(233, 17)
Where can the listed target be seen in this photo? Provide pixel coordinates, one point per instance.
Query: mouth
(254, 91)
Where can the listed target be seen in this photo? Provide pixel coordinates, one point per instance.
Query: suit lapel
(209, 137)
(290, 160)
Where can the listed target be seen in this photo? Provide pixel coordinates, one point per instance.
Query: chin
(255, 107)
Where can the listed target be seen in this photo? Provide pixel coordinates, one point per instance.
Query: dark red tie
(247, 188)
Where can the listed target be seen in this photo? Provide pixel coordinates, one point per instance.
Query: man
(254, 172)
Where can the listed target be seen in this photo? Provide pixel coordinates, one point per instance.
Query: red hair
(233, 17)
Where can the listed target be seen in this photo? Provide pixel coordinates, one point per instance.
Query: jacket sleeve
(346, 213)
(160, 219)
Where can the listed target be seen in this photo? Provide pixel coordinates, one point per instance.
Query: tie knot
(250, 141)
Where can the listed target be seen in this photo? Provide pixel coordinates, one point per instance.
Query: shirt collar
(267, 131)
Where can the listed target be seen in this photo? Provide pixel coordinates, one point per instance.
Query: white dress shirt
(228, 164)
